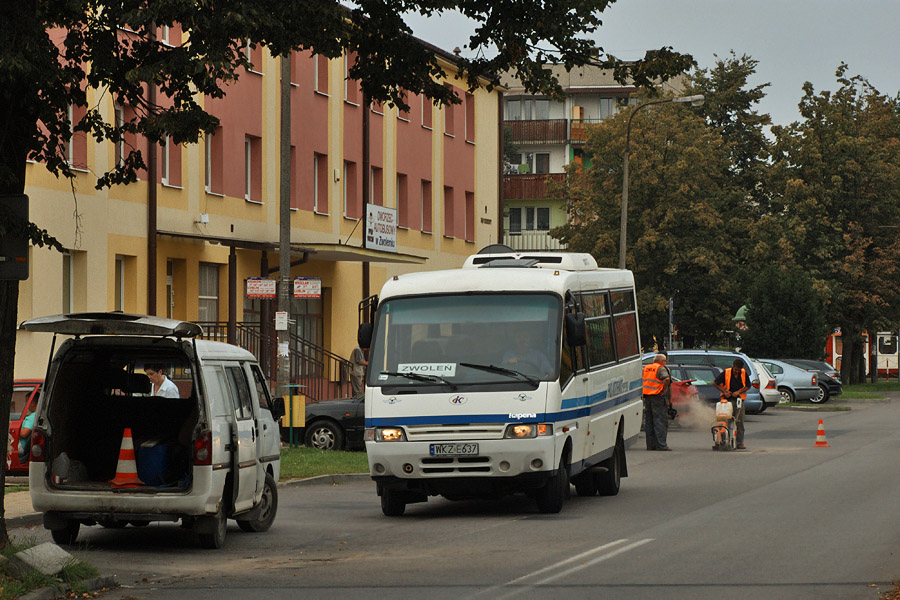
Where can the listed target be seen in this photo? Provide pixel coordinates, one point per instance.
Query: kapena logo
(458, 400)
(518, 416)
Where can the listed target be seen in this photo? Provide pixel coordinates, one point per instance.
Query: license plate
(454, 449)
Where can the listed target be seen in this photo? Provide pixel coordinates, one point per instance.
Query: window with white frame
(208, 302)
(529, 218)
(166, 147)
(120, 145)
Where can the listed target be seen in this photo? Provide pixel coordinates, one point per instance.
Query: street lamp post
(623, 223)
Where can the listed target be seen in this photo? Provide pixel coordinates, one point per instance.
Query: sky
(794, 41)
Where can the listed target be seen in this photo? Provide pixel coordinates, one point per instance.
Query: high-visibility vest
(728, 381)
(652, 385)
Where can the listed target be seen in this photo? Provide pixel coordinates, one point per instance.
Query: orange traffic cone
(820, 437)
(126, 471)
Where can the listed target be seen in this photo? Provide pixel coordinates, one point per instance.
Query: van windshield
(450, 340)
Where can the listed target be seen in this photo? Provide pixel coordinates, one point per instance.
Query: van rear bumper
(203, 497)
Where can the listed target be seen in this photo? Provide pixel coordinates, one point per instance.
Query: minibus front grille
(481, 431)
(456, 464)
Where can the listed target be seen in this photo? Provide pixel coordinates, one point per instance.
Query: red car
(684, 395)
(24, 401)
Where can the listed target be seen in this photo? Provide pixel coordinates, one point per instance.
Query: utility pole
(284, 229)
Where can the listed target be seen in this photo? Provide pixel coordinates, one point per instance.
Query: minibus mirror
(277, 408)
(364, 335)
(576, 333)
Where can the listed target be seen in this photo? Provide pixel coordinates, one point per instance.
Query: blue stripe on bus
(582, 407)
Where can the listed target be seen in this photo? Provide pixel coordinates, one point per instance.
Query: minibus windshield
(455, 340)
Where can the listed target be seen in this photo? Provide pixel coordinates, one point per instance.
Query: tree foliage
(837, 173)
(678, 202)
(785, 316)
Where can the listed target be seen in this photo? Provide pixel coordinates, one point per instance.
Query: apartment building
(548, 135)
(212, 249)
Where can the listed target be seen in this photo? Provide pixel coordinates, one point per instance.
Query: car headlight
(520, 431)
(389, 434)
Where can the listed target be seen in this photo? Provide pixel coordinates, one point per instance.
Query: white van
(520, 372)
(204, 453)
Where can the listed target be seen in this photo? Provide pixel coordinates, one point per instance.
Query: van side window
(243, 406)
(262, 390)
(218, 390)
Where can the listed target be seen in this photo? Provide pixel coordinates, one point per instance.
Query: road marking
(611, 547)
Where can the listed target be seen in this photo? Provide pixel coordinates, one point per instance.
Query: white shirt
(168, 389)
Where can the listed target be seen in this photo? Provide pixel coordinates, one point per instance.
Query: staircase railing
(322, 374)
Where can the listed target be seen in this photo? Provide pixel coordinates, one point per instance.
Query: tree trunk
(9, 301)
(847, 346)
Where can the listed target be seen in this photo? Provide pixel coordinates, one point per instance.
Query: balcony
(530, 187)
(546, 131)
(578, 130)
(532, 239)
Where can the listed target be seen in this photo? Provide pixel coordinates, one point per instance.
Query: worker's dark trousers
(656, 421)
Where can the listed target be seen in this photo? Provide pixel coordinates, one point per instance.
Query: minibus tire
(392, 503)
(68, 534)
(608, 482)
(267, 511)
(586, 483)
(550, 498)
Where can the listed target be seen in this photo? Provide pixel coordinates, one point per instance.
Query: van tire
(268, 508)
(68, 534)
(608, 482)
(550, 498)
(215, 539)
(392, 503)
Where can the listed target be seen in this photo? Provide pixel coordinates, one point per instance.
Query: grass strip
(303, 462)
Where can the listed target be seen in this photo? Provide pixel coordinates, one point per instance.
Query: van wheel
(268, 508)
(68, 534)
(586, 483)
(608, 482)
(324, 435)
(215, 539)
(550, 498)
(392, 503)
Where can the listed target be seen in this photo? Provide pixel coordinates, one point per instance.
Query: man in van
(734, 383)
(656, 382)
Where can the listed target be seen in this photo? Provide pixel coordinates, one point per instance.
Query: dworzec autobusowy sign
(381, 228)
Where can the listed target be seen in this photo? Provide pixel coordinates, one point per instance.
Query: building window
(214, 162)
(351, 86)
(320, 184)
(402, 201)
(470, 217)
(449, 116)
(542, 163)
(527, 109)
(165, 147)
(529, 218)
(513, 110)
(252, 168)
(321, 73)
(351, 200)
(208, 304)
(426, 111)
(119, 284)
(68, 279)
(376, 186)
(470, 118)
(120, 145)
(449, 229)
(425, 207)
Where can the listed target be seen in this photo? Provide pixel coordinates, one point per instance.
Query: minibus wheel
(609, 481)
(586, 483)
(392, 503)
(550, 498)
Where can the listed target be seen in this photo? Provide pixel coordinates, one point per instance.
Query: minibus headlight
(390, 434)
(518, 431)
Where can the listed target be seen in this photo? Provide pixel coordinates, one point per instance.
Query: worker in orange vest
(656, 403)
(734, 383)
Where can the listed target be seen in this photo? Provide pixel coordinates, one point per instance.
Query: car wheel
(786, 394)
(609, 482)
(550, 498)
(762, 407)
(392, 503)
(267, 511)
(822, 396)
(68, 534)
(324, 435)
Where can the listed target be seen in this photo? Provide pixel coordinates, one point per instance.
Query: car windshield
(466, 339)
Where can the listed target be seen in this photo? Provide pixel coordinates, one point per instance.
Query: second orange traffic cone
(820, 436)
(126, 471)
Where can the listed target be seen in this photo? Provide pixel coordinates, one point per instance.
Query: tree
(677, 243)
(837, 174)
(54, 51)
(785, 316)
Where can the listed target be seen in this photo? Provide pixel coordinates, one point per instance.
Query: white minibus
(519, 372)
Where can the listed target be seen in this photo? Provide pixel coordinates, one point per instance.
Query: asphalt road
(782, 520)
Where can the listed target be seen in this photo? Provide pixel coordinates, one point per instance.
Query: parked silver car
(793, 382)
(767, 384)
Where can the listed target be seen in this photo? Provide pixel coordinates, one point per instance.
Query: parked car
(768, 388)
(24, 401)
(723, 360)
(701, 378)
(683, 395)
(106, 450)
(335, 424)
(829, 377)
(794, 383)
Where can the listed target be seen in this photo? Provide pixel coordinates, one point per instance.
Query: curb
(814, 408)
(88, 585)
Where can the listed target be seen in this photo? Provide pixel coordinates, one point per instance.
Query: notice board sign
(381, 228)
(260, 287)
(307, 287)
